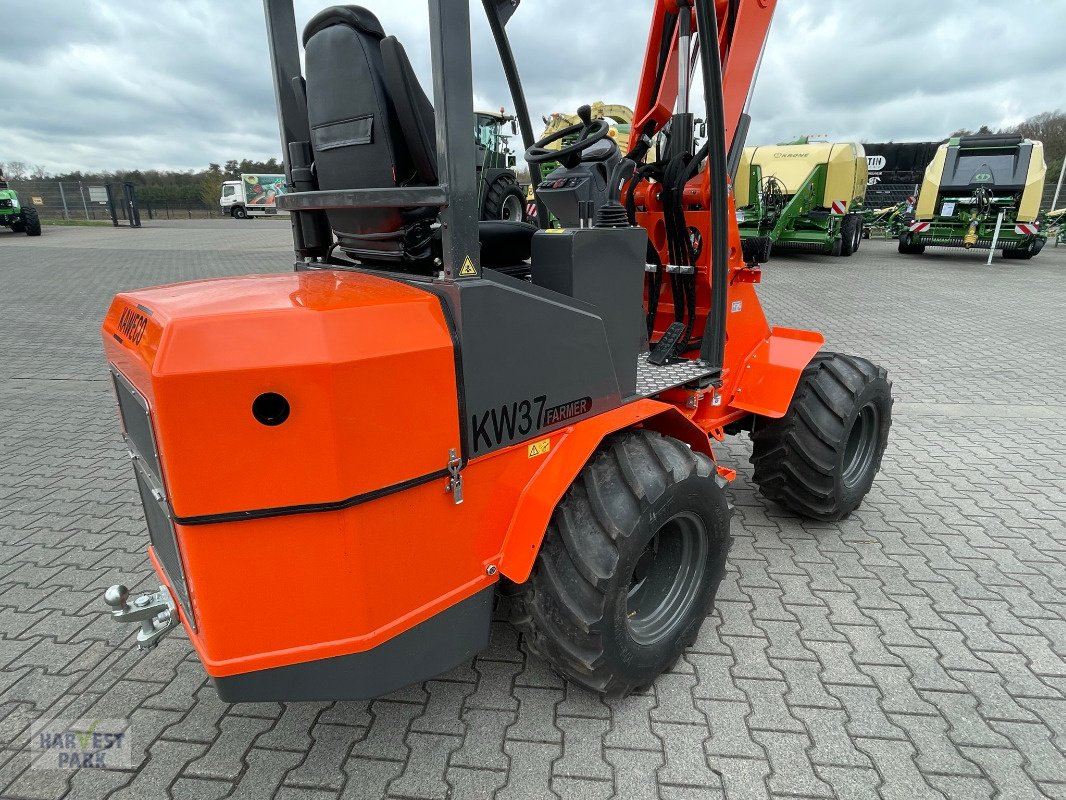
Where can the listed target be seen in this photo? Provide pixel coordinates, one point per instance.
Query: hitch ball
(116, 597)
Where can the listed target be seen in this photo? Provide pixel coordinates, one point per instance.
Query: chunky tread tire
(573, 609)
(31, 221)
(907, 246)
(799, 459)
(850, 230)
(496, 195)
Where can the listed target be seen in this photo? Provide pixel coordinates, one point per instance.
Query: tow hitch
(156, 612)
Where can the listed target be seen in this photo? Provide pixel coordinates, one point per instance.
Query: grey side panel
(533, 360)
(442, 642)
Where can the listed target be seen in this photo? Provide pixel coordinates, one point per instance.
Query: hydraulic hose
(712, 349)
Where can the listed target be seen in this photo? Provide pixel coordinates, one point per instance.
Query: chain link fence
(84, 200)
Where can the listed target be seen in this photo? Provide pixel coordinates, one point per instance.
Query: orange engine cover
(366, 364)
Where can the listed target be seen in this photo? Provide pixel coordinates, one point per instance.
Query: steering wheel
(590, 130)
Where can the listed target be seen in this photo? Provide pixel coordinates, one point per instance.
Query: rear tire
(504, 200)
(907, 246)
(1026, 252)
(630, 564)
(821, 457)
(850, 230)
(31, 221)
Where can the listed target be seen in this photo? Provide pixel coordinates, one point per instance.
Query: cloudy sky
(106, 84)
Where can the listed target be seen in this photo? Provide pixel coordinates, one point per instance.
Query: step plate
(652, 379)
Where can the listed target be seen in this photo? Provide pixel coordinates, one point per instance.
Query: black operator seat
(372, 126)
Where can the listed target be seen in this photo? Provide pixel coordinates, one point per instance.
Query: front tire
(31, 221)
(504, 200)
(239, 212)
(630, 564)
(821, 457)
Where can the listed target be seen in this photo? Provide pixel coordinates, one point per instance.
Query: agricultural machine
(14, 215)
(982, 192)
(499, 193)
(888, 222)
(801, 196)
(430, 412)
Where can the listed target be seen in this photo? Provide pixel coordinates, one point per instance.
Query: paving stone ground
(917, 649)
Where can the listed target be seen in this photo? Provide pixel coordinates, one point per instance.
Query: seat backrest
(371, 127)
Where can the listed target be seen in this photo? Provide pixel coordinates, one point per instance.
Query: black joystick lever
(585, 113)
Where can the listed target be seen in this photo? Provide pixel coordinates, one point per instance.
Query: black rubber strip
(308, 508)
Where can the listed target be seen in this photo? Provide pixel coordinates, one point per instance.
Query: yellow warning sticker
(468, 268)
(540, 448)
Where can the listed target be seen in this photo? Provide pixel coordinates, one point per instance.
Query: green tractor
(500, 195)
(14, 215)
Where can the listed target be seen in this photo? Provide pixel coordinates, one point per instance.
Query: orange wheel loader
(430, 410)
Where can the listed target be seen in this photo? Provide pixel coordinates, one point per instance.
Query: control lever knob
(585, 113)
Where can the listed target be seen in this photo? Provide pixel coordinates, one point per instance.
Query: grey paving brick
(967, 726)
(805, 686)
(530, 773)
(1044, 762)
(686, 760)
(791, 771)
(832, 745)
(935, 751)
(385, 736)
(1004, 767)
(483, 745)
(292, 731)
(583, 789)
(958, 787)
(743, 777)
(850, 783)
(630, 724)
(323, 765)
(536, 715)
(225, 759)
(675, 700)
(423, 775)
(441, 714)
(635, 773)
(474, 783)
(583, 744)
(770, 712)
(367, 778)
(895, 762)
(865, 715)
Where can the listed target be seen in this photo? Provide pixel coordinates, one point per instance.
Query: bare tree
(38, 172)
(15, 171)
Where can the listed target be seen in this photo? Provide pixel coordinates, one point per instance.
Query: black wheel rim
(666, 579)
(861, 445)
